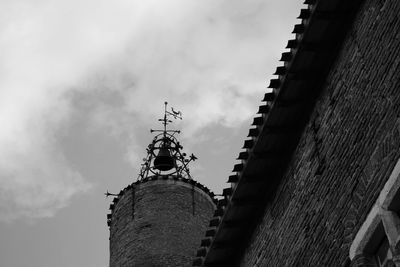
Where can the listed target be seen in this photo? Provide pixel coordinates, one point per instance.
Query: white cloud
(35, 179)
(207, 58)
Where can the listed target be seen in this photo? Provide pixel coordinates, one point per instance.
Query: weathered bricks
(161, 224)
(346, 153)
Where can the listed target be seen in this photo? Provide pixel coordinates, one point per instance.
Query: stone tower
(160, 219)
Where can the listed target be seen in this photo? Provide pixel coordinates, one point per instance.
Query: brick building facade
(309, 188)
(317, 183)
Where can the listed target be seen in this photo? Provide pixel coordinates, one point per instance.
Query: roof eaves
(278, 130)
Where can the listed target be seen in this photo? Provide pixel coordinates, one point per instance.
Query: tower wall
(159, 221)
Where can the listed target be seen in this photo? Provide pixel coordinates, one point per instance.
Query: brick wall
(345, 155)
(162, 226)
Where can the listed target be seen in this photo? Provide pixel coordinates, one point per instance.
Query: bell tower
(159, 219)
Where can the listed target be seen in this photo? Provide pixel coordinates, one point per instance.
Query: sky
(81, 84)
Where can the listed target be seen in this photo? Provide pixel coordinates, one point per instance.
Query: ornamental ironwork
(164, 154)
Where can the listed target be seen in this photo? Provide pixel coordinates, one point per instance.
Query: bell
(164, 161)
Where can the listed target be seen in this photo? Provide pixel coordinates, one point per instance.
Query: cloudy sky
(83, 81)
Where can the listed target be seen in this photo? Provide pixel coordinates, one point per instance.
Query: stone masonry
(345, 155)
(158, 222)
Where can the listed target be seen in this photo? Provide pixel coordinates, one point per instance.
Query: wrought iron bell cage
(164, 154)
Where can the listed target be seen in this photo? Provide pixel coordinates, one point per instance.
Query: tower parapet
(159, 219)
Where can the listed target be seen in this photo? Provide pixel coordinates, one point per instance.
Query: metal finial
(165, 121)
(164, 154)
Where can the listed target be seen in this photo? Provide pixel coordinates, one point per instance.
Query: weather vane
(164, 156)
(165, 121)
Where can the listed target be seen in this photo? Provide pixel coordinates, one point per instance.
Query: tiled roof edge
(259, 123)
